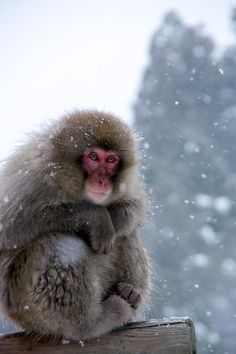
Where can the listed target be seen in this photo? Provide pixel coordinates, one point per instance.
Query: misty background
(169, 69)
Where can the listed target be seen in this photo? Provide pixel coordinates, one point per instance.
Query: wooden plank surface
(169, 336)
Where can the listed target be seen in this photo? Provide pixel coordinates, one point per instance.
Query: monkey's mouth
(92, 191)
(98, 196)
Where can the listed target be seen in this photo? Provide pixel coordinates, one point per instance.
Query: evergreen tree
(178, 111)
(226, 127)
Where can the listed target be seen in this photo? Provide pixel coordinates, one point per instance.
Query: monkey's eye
(93, 156)
(111, 158)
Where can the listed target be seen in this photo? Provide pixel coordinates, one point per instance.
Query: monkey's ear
(58, 139)
(68, 143)
(59, 136)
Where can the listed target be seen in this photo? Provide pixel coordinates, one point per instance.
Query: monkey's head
(96, 156)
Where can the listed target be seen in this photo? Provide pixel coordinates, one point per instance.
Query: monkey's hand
(126, 216)
(95, 222)
(128, 292)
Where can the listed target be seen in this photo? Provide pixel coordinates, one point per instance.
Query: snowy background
(169, 69)
(57, 55)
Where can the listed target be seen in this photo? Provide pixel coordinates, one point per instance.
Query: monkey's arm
(127, 216)
(31, 221)
(134, 276)
(89, 221)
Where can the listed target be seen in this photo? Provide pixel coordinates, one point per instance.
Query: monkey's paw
(129, 293)
(102, 246)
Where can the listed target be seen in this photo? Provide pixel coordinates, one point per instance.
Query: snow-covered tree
(191, 235)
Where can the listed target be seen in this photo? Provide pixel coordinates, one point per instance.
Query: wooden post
(168, 336)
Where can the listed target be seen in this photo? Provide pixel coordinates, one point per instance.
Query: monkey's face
(101, 167)
(97, 156)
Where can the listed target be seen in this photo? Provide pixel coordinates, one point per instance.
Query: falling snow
(222, 205)
(186, 111)
(208, 234)
(200, 260)
(204, 200)
(228, 267)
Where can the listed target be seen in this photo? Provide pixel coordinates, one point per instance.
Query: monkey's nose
(102, 180)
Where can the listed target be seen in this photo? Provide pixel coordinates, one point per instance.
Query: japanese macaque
(72, 201)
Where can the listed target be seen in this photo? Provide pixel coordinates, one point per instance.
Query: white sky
(57, 55)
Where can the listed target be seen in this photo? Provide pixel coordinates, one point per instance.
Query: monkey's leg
(116, 312)
(134, 279)
(53, 289)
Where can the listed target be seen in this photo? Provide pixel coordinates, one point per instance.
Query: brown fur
(51, 281)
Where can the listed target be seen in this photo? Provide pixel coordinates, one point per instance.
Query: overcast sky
(57, 55)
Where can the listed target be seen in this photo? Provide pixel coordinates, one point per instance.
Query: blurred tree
(178, 111)
(226, 127)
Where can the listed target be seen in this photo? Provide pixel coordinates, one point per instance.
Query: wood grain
(169, 336)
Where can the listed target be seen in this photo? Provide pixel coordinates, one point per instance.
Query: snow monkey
(71, 261)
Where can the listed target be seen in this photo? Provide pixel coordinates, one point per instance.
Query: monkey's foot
(129, 293)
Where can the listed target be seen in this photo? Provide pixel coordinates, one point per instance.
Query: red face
(101, 166)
